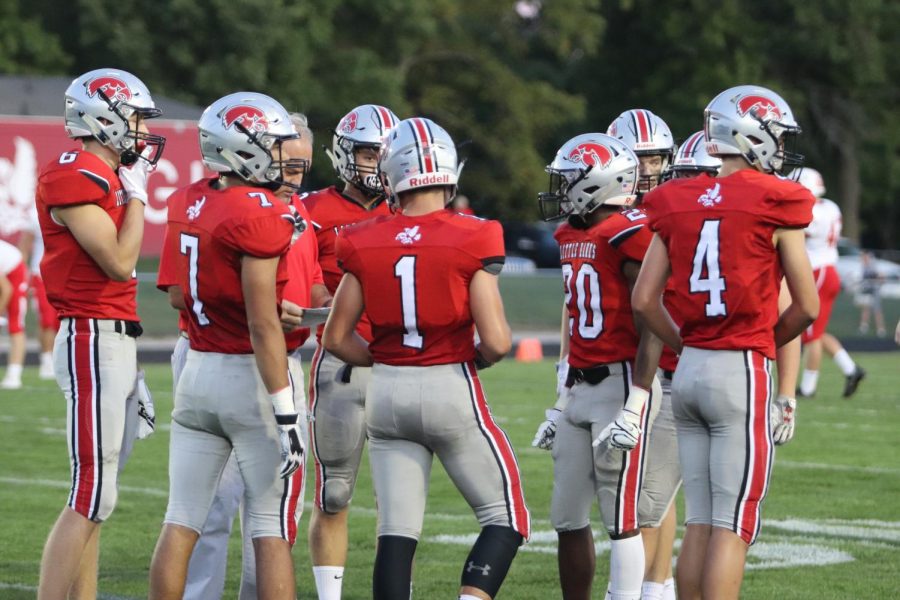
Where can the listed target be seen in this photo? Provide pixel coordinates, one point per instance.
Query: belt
(346, 372)
(591, 375)
(129, 328)
(667, 374)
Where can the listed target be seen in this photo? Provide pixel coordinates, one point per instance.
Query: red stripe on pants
(522, 520)
(760, 449)
(85, 422)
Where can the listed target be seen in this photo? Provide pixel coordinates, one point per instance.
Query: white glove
(562, 374)
(781, 418)
(625, 431)
(146, 411)
(3, 322)
(289, 434)
(546, 432)
(134, 180)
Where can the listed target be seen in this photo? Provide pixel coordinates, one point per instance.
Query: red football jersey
(601, 325)
(76, 285)
(415, 274)
(330, 212)
(303, 272)
(725, 269)
(167, 276)
(208, 237)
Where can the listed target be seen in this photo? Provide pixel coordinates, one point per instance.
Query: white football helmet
(239, 132)
(646, 135)
(365, 126)
(811, 180)
(753, 122)
(418, 153)
(692, 159)
(589, 171)
(100, 103)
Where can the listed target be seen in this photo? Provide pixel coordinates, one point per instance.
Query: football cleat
(853, 381)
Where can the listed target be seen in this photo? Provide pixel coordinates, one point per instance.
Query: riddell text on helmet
(430, 180)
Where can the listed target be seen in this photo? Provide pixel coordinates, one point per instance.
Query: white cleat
(11, 384)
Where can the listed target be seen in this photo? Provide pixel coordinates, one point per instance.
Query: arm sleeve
(791, 207)
(73, 187)
(486, 246)
(262, 236)
(167, 275)
(346, 254)
(633, 241)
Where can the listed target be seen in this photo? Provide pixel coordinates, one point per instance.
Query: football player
(304, 288)
(822, 237)
(650, 139)
(13, 288)
(725, 243)
(31, 244)
(593, 178)
(90, 203)
(236, 392)
(425, 276)
(337, 390)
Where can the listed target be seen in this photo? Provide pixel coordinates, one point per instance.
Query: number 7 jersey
(415, 274)
(597, 295)
(726, 273)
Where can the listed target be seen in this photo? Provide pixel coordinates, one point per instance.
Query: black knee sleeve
(393, 567)
(489, 560)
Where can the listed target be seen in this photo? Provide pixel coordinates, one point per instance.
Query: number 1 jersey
(415, 274)
(726, 273)
(597, 296)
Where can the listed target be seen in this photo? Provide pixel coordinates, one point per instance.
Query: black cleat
(853, 381)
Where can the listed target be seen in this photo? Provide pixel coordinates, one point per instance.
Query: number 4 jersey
(597, 296)
(726, 273)
(208, 233)
(415, 274)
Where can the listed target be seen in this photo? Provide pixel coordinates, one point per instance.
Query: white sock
(669, 590)
(652, 590)
(328, 582)
(626, 569)
(809, 382)
(844, 362)
(14, 371)
(46, 359)
(468, 597)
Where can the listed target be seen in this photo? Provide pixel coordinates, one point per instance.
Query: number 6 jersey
(726, 272)
(415, 274)
(597, 296)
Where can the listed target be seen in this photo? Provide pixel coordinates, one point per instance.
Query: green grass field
(831, 529)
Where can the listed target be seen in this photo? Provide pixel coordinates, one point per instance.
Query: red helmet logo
(348, 123)
(591, 155)
(112, 87)
(251, 118)
(760, 107)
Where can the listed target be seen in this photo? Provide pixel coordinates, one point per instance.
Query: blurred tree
(25, 46)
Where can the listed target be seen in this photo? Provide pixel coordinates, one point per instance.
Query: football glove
(291, 443)
(546, 432)
(134, 180)
(288, 422)
(146, 411)
(625, 431)
(781, 418)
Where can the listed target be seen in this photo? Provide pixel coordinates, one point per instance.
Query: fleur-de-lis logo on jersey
(711, 196)
(409, 235)
(194, 211)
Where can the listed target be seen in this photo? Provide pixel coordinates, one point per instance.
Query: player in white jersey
(12, 308)
(31, 244)
(821, 245)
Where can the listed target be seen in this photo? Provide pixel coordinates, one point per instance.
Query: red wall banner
(29, 143)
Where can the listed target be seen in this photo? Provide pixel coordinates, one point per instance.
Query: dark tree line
(511, 80)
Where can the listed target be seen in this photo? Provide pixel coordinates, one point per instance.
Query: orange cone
(529, 350)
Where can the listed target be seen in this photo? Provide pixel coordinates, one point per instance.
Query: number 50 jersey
(415, 274)
(726, 273)
(597, 296)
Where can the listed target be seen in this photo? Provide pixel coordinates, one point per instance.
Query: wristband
(283, 401)
(637, 398)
